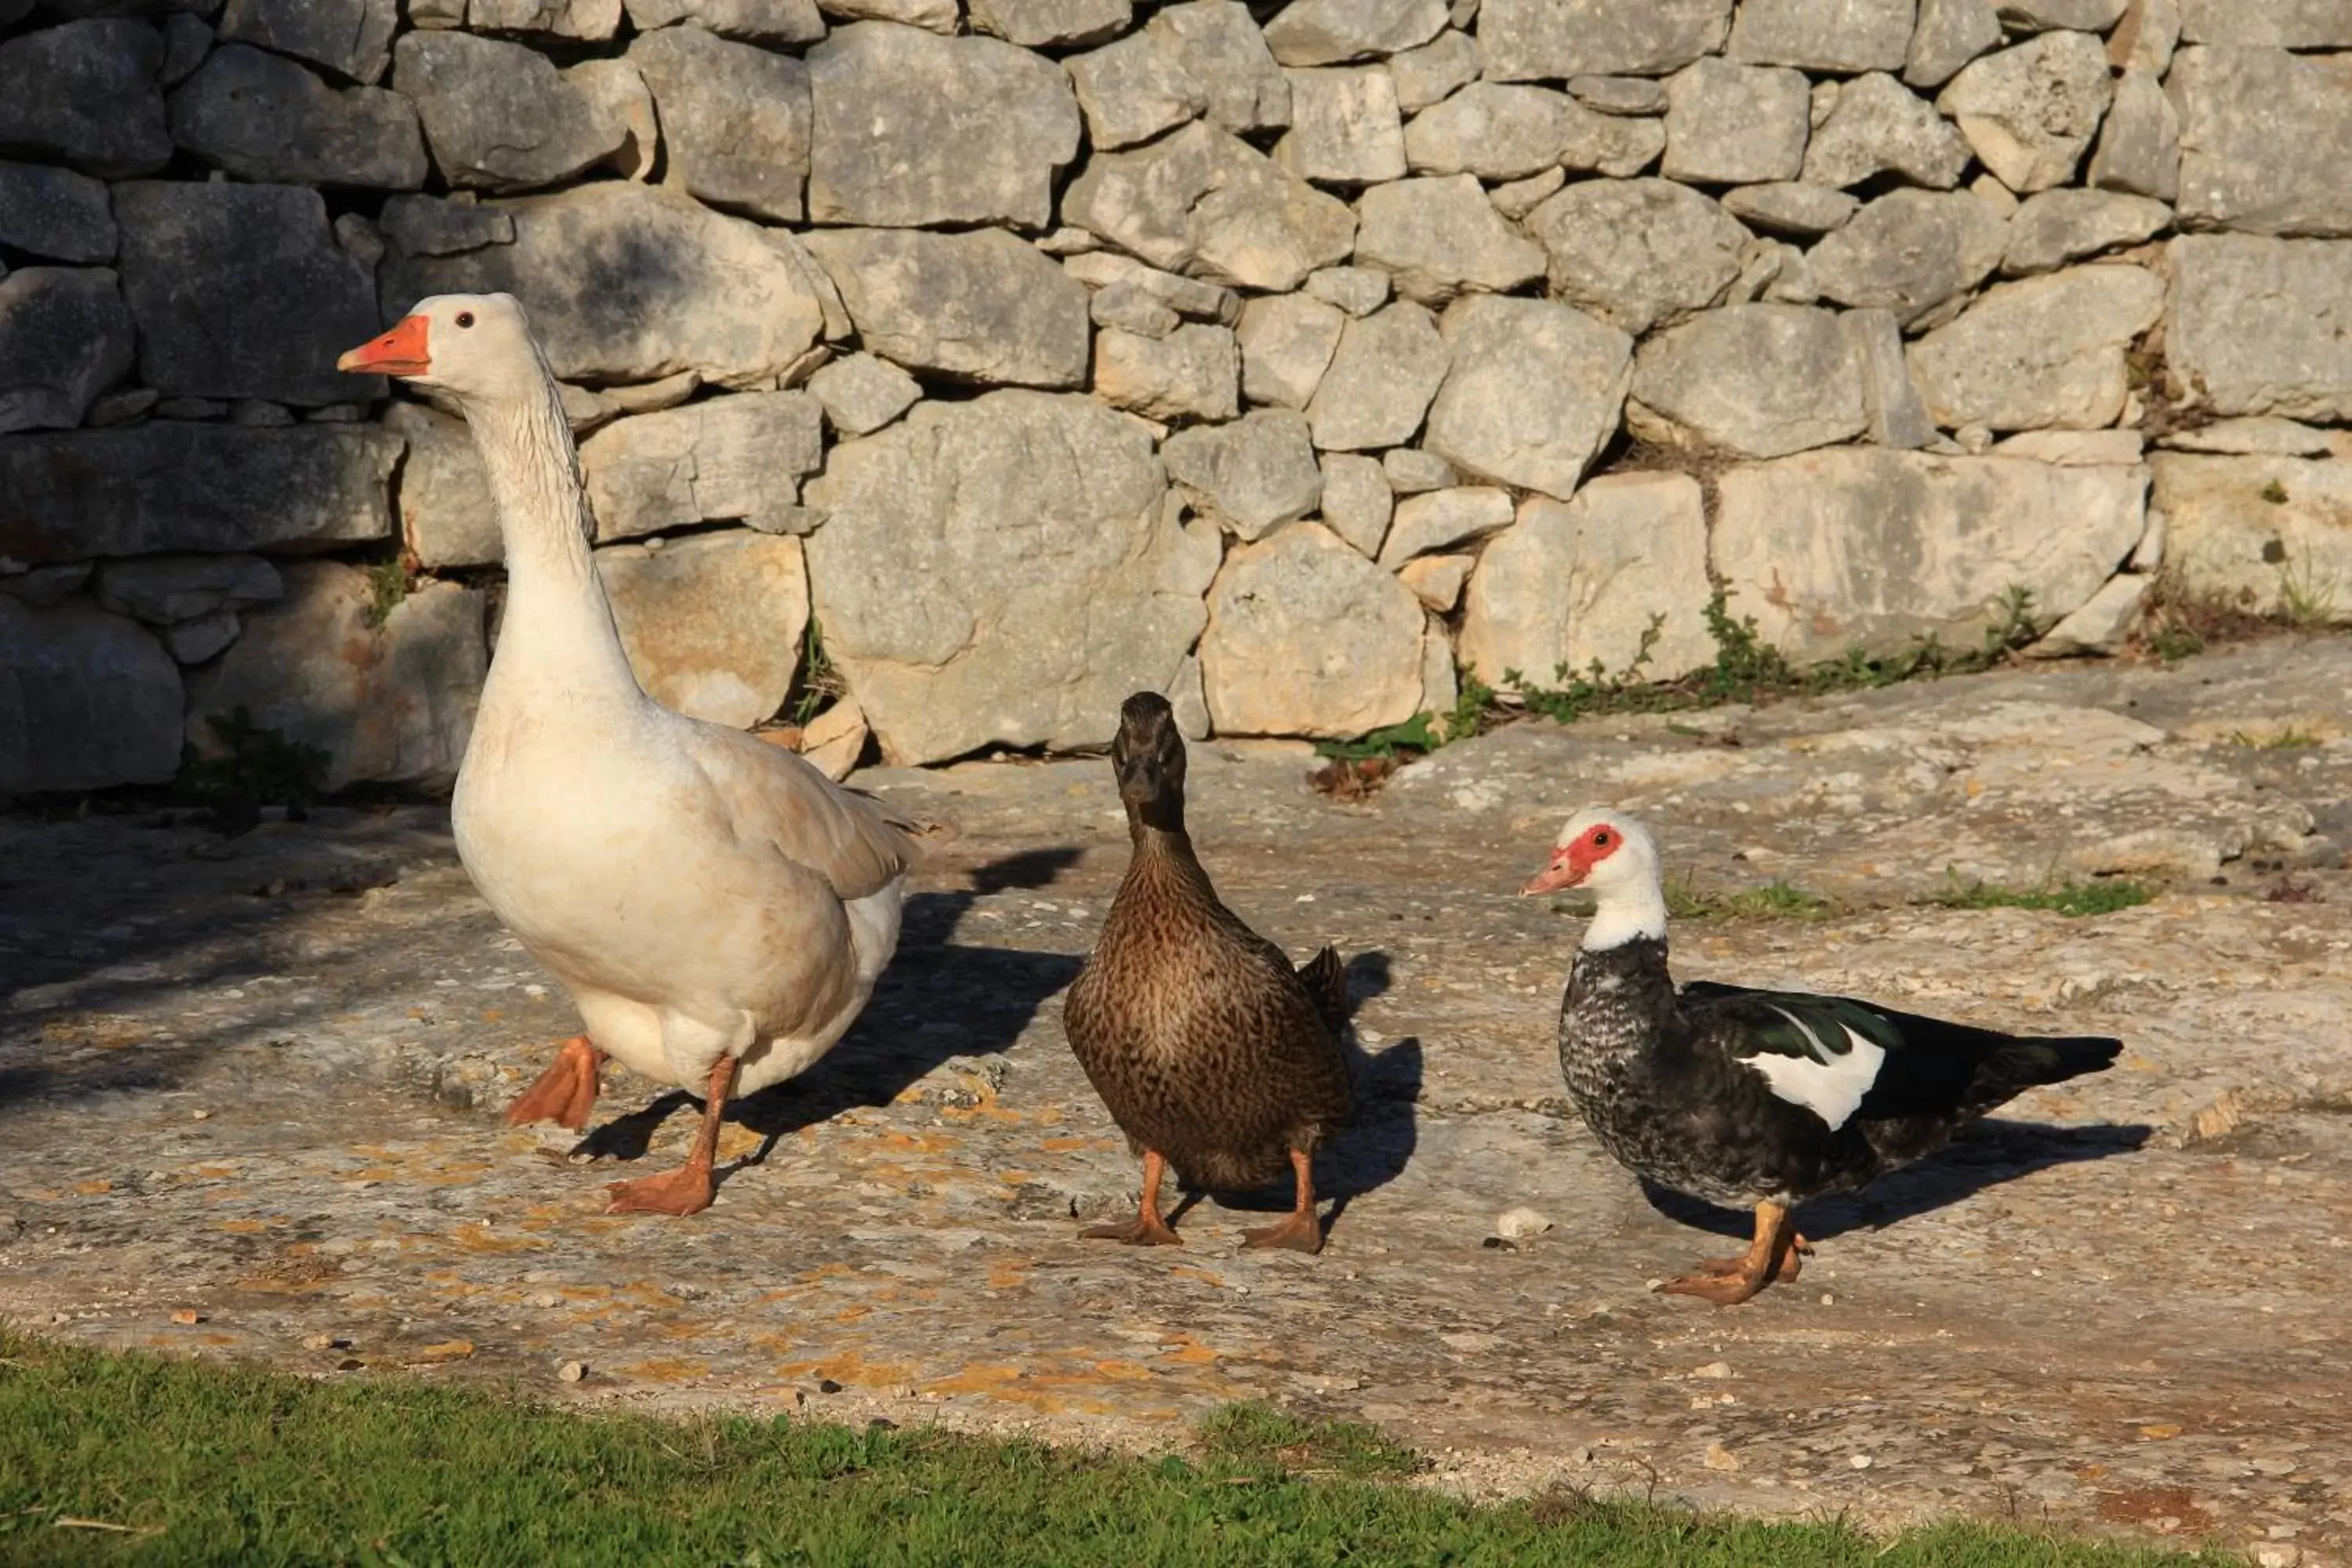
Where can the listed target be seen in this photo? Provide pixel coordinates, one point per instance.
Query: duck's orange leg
(1773, 1255)
(1147, 1228)
(566, 1092)
(688, 1189)
(1302, 1232)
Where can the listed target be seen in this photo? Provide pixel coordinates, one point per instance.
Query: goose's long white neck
(1624, 913)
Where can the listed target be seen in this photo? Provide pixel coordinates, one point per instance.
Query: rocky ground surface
(250, 1088)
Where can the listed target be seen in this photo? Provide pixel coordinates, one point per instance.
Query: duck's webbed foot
(689, 1188)
(1147, 1228)
(1300, 1231)
(1774, 1257)
(566, 1092)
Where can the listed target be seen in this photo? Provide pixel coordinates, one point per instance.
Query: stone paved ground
(258, 1079)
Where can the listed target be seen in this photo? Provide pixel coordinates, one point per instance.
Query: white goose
(717, 908)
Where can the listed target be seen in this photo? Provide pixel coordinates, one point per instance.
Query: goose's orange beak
(400, 351)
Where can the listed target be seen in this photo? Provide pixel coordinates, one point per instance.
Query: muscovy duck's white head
(1615, 857)
(476, 347)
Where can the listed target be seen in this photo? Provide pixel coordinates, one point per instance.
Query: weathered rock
(628, 282)
(1613, 145)
(2041, 15)
(65, 337)
(1413, 470)
(1842, 35)
(87, 700)
(1789, 207)
(1618, 94)
(1436, 580)
(2103, 623)
(428, 226)
(1950, 33)
(1516, 198)
(2264, 139)
(941, 17)
(1735, 124)
(1133, 89)
(2275, 24)
(725, 459)
(1434, 73)
(2145, 36)
(1889, 396)
(262, 117)
(1762, 381)
(1493, 130)
(1880, 126)
(1381, 379)
(1185, 296)
(42, 586)
(1308, 637)
(86, 93)
(1575, 582)
(1034, 23)
(756, 21)
(1333, 32)
(1193, 372)
(447, 517)
(1344, 127)
(2030, 111)
(2258, 435)
(1438, 519)
(2073, 448)
(1910, 252)
(860, 394)
(350, 37)
(498, 115)
(914, 128)
(1358, 290)
(1250, 476)
(55, 212)
(2267, 536)
(162, 589)
(713, 623)
(2043, 352)
(396, 704)
(1218, 46)
(927, 583)
(736, 118)
(1203, 201)
(1442, 236)
(982, 305)
(1356, 502)
(2262, 326)
(1131, 309)
(2058, 226)
(1526, 40)
(1856, 547)
(195, 641)
(836, 739)
(241, 291)
(2139, 146)
(1638, 253)
(593, 20)
(1531, 393)
(617, 94)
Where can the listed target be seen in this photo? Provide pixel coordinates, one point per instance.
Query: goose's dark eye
(465, 317)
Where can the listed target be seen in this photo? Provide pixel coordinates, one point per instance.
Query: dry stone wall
(1287, 358)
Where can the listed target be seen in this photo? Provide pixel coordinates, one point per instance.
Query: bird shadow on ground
(1985, 1155)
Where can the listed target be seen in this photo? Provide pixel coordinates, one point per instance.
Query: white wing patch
(1828, 1083)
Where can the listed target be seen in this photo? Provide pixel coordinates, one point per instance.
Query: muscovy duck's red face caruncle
(1575, 856)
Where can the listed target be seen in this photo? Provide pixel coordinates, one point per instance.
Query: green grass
(2287, 740)
(206, 1463)
(2104, 896)
(1774, 901)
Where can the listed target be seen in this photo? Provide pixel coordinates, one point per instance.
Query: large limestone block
(1286, 344)
(446, 518)
(1333, 32)
(2275, 24)
(1191, 373)
(2269, 536)
(264, 118)
(1003, 571)
(914, 129)
(1762, 381)
(1203, 201)
(1440, 237)
(1736, 124)
(2058, 226)
(625, 283)
(2265, 137)
(713, 623)
(389, 703)
(1638, 253)
(1531, 393)
(2139, 146)
(55, 214)
(2030, 111)
(1252, 475)
(983, 306)
(734, 117)
(1910, 252)
(1497, 130)
(2046, 351)
(1856, 547)
(1879, 126)
(1344, 127)
(2262, 326)
(1133, 89)
(498, 115)
(1841, 35)
(65, 337)
(86, 93)
(87, 700)
(1538, 40)
(1577, 581)
(1386, 369)
(1308, 637)
(1219, 45)
(725, 459)
(350, 37)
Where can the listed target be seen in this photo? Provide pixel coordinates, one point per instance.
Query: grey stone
(2277, 24)
(1878, 126)
(1436, 581)
(593, 20)
(1133, 89)
(121, 408)
(1890, 399)
(2073, 448)
(981, 306)
(1532, 392)
(861, 393)
(435, 14)
(1358, 290)
(628, 282)
(2030, 111)
(1356, 502)
(2139, 146)
(1613, 145)
(1910, 252)
(428, 226)
(617, 94)
(1844, 36)
(1412, 471)
(1251, 475)
(55, 212)
(713, 623)
(1791, 207)
(2266, 536)
(241, 291)
(941, 17)
(1386, 368)
(1344, 127)
(1286, 344)
(1334, 32)
(927, 583)
(755, 21)
(914, 129)
(195, 641)
(396, 703)
(724, 460)
(735, 117)
(161, 589)
(259, 414)
(187, 41)
(85, 93)
(1855, 547)
(1130, 308)
(498, 115)
(1308, 637)
(2257, 435)
(1638, 253)
(1950, 33)
(1035, 24)
(360, 237)
(1440, 237)
(1185, 296)
(2102, 623)
(39, 587)
(1435, 71)
(65, 337)
(350, 37)
(2145, 38)
(2039, 352)
(1735, 124)
(1438, 519)
(87, 700)
(190, 408)
(2041, 16)
(1618, 94)
(1201, 201)
(1193, 372)
(1219, 45)
(2262, 326)
(2264, 140)
(1495, 131)
(447, 517)
(1761, 381)
(1516, 198)
(2054, 227)
(262, 117)
(1525, 40)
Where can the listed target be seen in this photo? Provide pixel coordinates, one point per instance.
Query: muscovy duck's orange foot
(1728, 1288)
(566, 1092)
(1791, 1264)
(682, 1192)
(1302, 1232)
(1143, 1230)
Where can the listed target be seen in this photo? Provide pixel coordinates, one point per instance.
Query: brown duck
(1212, 1052)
